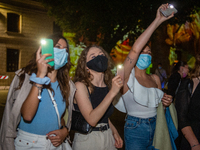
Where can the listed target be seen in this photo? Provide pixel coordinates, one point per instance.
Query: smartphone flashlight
(43, 42)
(119, 66)
(171, 6)
(120, 71)
(170, 9)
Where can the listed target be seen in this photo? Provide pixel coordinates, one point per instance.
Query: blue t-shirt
(45, 119)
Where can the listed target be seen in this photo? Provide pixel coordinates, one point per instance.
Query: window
(13, 22)
(12, 60)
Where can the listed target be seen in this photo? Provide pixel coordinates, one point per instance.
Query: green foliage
(110, 18)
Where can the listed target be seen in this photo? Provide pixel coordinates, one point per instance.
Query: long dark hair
(62, 75)
(82, 75)
(176, 66)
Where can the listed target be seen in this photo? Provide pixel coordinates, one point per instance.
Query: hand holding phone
(120, 71)
(167, 12)
(47, 48)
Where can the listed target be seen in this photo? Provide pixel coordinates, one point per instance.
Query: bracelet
(63, 127)
(39, 89)
(45, 80)
(195, 145)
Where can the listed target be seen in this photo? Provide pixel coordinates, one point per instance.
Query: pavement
(117, 118)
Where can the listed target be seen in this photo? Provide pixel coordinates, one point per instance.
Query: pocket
(131, 124)
(21, 143)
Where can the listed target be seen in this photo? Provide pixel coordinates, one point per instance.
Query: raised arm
(132, 57)
(31, 103)
(92, 116)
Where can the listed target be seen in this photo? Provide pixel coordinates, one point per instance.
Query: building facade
(22, 24)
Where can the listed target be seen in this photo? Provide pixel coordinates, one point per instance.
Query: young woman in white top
(142, 92)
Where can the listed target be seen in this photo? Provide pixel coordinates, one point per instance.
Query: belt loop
(126, 117)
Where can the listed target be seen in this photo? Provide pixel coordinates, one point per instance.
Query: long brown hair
(82, 75)
(196, 71)
(62, 75)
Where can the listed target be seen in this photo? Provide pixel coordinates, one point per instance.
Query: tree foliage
(110, 19)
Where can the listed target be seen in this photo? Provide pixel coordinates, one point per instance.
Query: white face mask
(60, 58)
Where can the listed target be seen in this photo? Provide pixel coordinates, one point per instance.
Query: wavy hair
(62, 75)
(82, 75)
(196, 71)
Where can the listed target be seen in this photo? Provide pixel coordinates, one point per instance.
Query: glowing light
(175, 61)
(43, 42)
(171, 6)
(119, 66)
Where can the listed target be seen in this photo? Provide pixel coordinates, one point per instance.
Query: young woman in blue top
(35, 118)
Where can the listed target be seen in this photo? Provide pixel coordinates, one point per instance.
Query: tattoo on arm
(129, 59)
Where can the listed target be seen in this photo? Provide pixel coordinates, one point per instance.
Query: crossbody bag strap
(178, 87)
(161, 74)
(55, 106)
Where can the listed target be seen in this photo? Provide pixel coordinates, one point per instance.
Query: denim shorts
(139, 132)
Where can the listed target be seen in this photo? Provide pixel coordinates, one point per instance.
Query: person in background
(188, 109)
(179, 71)
(96, 89)
(162, 74)
(30, 120)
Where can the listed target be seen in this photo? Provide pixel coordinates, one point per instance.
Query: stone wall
(34, 25)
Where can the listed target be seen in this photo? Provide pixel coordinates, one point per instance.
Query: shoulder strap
(160, 74)
(190, 88)
(178, 87)
(55, 106)
(88, 90)
(89, 94)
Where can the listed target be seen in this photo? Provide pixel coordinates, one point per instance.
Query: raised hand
(117, 84)
(160, 16)
(42, 64)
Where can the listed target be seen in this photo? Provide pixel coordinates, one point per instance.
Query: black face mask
(98, 64)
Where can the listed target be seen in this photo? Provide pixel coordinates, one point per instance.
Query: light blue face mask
(60, 58)
(144, 61)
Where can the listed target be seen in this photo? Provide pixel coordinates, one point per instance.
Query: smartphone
(47, 48)
(167, 12)
(120, 71)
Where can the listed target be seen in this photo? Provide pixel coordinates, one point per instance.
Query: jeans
(139, 132)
